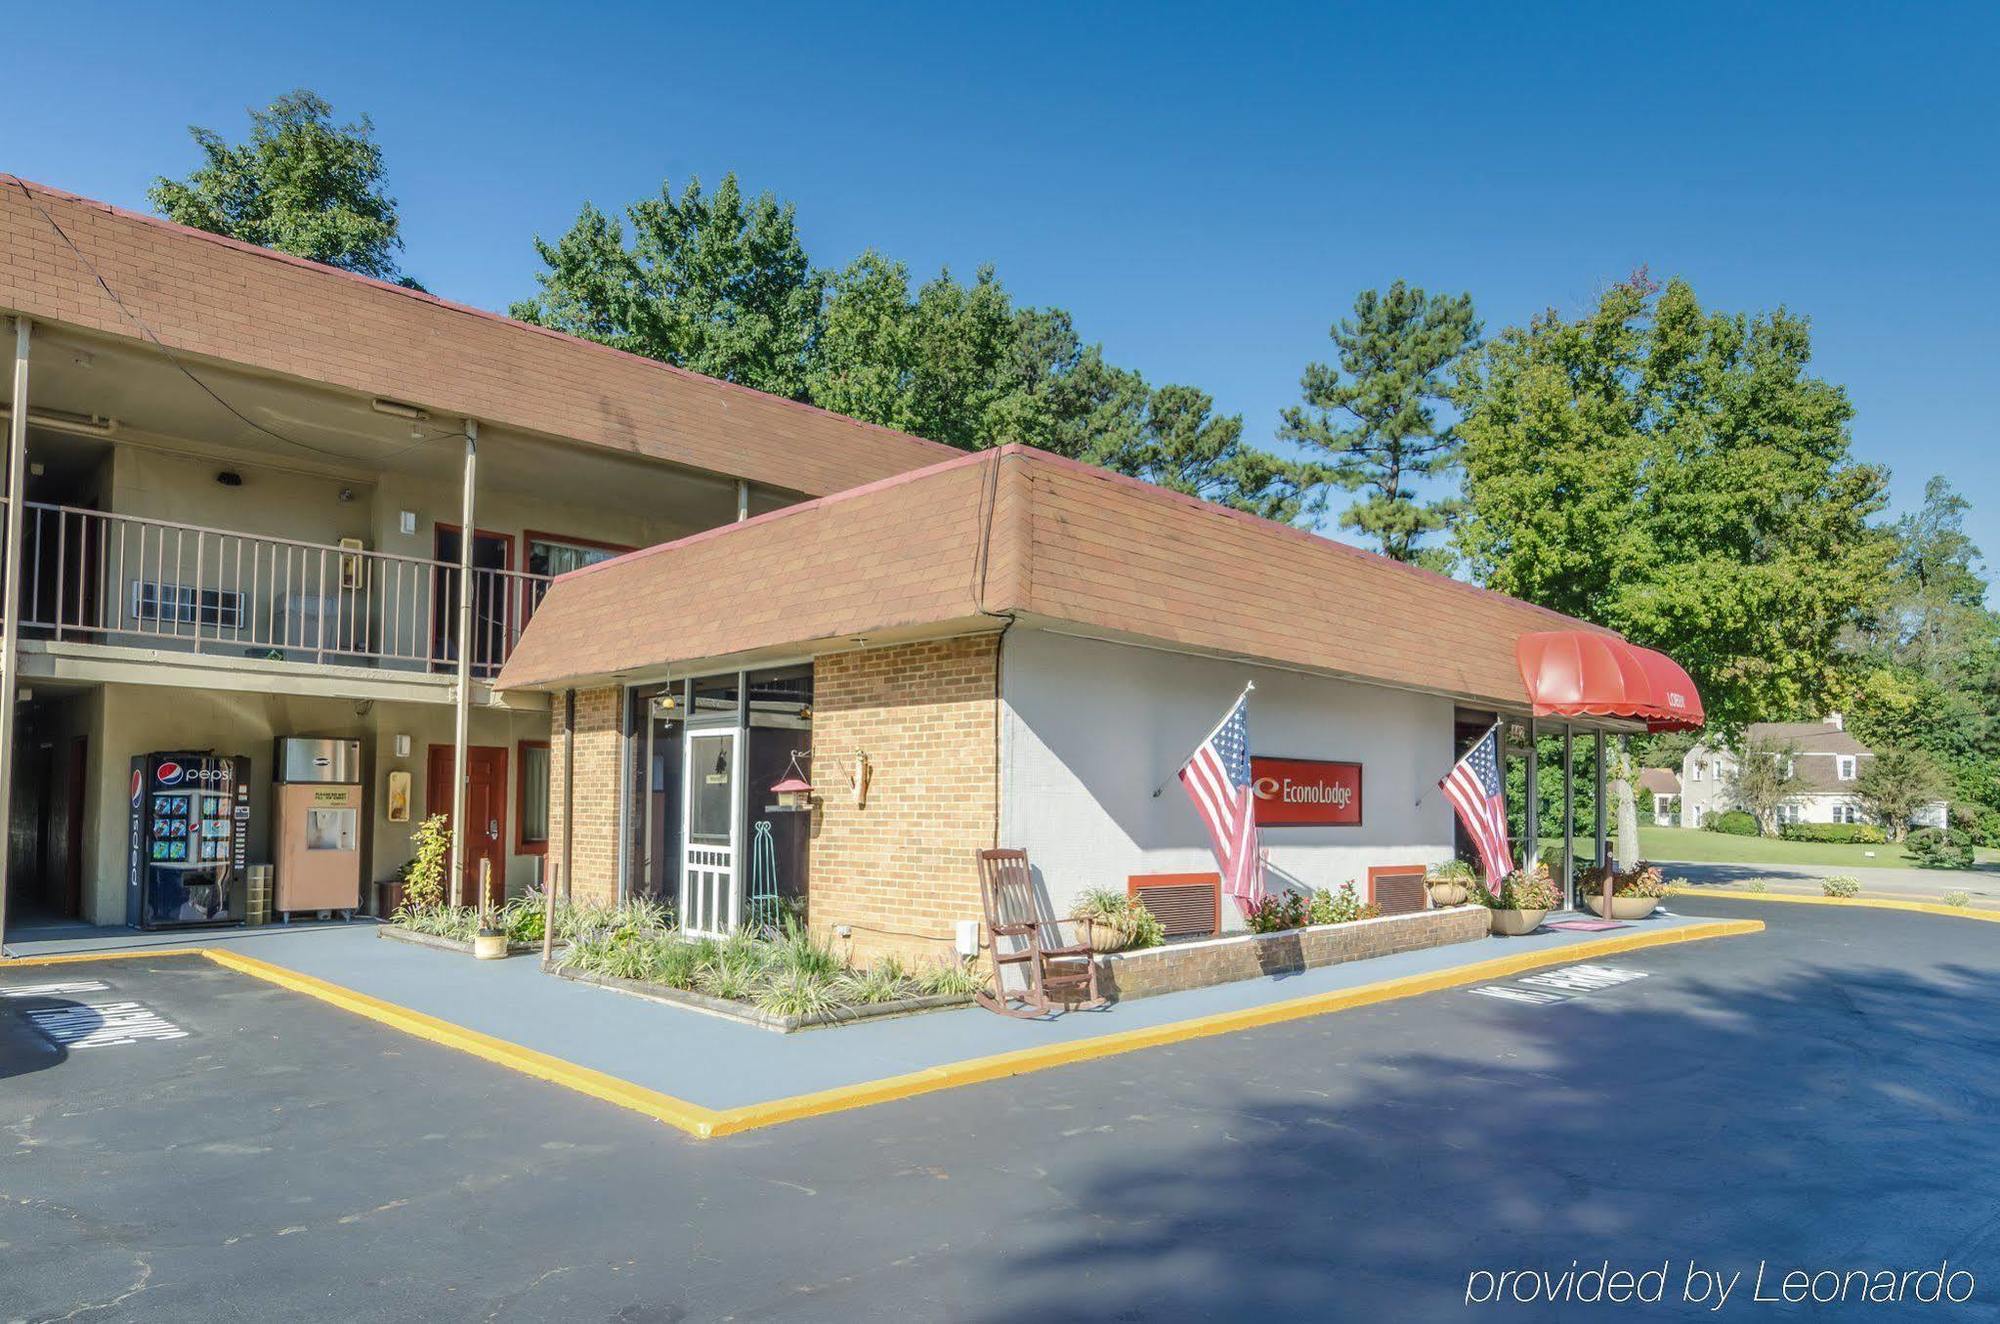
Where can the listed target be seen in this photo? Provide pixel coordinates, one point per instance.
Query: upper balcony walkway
(111, 585)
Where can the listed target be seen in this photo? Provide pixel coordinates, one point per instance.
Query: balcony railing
(92, 577)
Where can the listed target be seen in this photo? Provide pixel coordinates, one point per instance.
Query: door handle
(493, 829)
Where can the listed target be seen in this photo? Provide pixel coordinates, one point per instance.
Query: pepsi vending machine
(190, 840)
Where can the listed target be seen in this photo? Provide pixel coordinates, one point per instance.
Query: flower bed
(779, 982)
(1182, 966)
(452, 928)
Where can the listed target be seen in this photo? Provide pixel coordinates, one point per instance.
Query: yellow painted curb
(1847, 902)
(71, 958)
(706, 1123)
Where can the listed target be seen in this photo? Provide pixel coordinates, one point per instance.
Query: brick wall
(597, 756)
(900, 870)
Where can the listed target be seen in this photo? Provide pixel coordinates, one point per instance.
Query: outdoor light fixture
(407, 521)
(229, 478)
(397, 409)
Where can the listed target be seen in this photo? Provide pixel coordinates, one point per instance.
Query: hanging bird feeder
(793, 791)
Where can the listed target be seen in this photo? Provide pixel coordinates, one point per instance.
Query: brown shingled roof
(1020, 533)
(218, 298)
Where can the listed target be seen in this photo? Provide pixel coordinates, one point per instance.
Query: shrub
(798, 990)
(1644, 881)
(1940, 848)
(423, 876)
(456, 922)
(1339, 907)
(1276, 913)
(1756, 885)
(1840, 885)
(1453, 871)
(1115, 910)
(1957, 898)
(1844, 834)
(1735, 822)
(950, 979)
(1522, 889)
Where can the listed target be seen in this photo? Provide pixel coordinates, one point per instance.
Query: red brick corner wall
(899, 869)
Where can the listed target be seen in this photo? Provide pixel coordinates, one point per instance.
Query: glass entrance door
(712, 816)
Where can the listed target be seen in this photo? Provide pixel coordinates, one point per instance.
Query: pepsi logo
(168, 773)
(137, 785)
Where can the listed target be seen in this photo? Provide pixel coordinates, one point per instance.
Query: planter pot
(489, 946)
(1102, 937)
(1622, 907)
(1444, 895)
(1514, 923)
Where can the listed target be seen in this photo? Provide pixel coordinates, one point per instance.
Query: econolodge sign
(1306, 792)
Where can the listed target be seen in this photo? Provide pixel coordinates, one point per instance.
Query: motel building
(301, 557)
(1014, 649)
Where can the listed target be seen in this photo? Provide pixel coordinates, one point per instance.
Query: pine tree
(1374, 415)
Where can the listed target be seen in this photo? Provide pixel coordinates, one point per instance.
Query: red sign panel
(1306, 792)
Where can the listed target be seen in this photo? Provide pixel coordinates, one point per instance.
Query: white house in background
(1827, 759)
(1666, 789)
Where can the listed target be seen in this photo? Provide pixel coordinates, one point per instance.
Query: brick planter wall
(1182, 966)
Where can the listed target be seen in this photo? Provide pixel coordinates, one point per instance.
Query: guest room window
(532, 813)
(552, 554)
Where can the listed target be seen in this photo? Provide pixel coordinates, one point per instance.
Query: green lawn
(1703, 847)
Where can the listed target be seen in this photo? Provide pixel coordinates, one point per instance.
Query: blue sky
(1204, 188)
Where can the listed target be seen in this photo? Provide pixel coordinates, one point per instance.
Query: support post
(1603, 807)
(742, 499)
(1531, 811)
(1569, 818)
(569, 795)
(462, 715)
(10, 596)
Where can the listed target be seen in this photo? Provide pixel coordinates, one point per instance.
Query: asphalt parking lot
(215, 1148)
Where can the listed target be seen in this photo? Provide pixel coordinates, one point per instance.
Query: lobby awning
(1579, 673)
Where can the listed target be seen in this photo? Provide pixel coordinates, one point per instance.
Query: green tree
(1187, 447)
(714, 283)
(1374, 414)
(1766, 777)
(1895, 784)
(962, 364)
(301, 184)
(1679, 476)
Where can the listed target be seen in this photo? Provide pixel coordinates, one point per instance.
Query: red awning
(1580, 673)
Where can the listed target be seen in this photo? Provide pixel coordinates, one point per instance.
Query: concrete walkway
(716, 1063)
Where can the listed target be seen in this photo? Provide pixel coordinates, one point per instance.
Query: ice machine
(316, 833)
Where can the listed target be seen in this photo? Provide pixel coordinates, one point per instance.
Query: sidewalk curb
(1845, 902)
(705, 1123)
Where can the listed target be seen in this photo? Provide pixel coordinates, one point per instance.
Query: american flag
(1217, 778)
(1477, 792)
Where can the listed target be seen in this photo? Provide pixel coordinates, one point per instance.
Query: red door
(485, 814)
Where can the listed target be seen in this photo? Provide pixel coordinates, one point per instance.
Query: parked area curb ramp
(706, 1123)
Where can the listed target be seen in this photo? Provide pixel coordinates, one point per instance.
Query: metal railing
(93, 577)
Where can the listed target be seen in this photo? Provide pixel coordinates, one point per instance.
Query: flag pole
(1247, 687)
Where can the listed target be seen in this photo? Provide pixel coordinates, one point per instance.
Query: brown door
(485, 814)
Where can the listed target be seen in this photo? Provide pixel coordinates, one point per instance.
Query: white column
(462, 717)
(1531, 814)
(10, 587)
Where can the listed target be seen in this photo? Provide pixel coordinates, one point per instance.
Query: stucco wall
(135, 719)
(1088, 729)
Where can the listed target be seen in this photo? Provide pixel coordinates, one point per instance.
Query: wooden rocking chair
(1056, 973)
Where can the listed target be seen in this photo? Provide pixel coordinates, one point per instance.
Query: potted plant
(1525, 899)
(1634, 893)
(1450, 883)
(1112, 921)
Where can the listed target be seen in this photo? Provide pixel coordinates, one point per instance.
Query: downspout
(742, 499)
(10, 603)
(462, 716)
